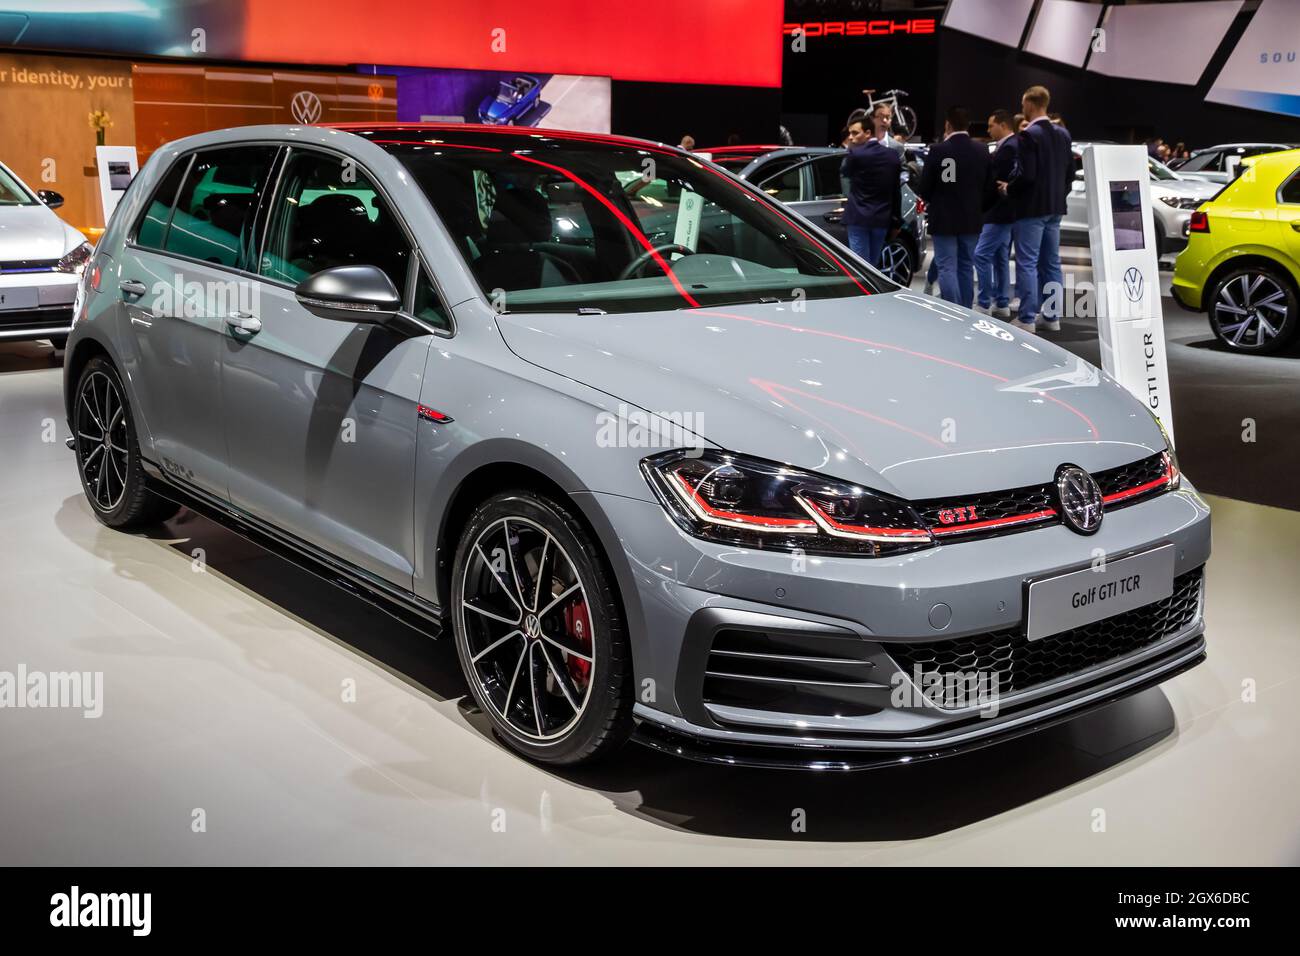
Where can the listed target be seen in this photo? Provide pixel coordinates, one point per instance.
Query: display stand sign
(117, 167)
(1121, 231)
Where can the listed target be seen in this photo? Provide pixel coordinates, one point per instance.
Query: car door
(321, 414)
(823, 201)
(1288, 215)
(180, 280)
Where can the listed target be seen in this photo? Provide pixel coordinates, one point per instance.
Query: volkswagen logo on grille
(305, 107)
(1080, 498)
(1133, 283)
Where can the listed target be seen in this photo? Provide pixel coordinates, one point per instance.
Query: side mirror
(50, 198)
(350, 294)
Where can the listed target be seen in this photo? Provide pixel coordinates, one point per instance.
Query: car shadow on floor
(890, 803)
(36, 356)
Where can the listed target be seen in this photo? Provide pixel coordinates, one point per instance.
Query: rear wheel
(540, 632)
(108, 456)
(1253, 309)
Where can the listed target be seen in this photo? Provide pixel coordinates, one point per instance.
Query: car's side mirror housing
(350, 294)
(50, 198)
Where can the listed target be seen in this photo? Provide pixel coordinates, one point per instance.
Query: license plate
(17, 298)
(1070, 600)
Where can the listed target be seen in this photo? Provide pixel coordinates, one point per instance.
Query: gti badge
(1080, 498)
(1133, 283)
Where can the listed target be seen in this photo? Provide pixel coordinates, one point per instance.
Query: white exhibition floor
(223, 690)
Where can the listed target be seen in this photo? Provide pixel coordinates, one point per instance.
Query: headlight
(1172, 471)
(75, 261)
(732, 499)
(1181, 202)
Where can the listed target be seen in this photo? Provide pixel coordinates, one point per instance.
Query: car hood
(1195, 188)
(34, 232)
(899, 391)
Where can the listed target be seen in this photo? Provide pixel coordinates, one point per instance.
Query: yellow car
(1242, 262)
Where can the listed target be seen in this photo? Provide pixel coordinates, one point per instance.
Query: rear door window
(157, 215)
(213, 219)
(827, 183)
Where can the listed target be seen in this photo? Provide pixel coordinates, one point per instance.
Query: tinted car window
(826, 177)
(562, 226)
(328, 213)
(1202, 162)
(153, 224)
(785, 185)
(428, 305)
(1290, 191)
(213, 219)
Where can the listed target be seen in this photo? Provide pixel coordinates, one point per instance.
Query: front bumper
(839, 618)
(36, 305)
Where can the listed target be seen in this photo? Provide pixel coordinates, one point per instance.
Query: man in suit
(993, 251)
(953, 185)
(873, 206)
(1039, 193)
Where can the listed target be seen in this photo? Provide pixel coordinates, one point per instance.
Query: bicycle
(904, 121)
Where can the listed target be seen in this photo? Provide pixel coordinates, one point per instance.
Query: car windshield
(553, 224)
(1159, 170)
(12, 192)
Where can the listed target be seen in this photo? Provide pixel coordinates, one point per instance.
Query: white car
(41, 261)
(1217, 164)
(1173, 199)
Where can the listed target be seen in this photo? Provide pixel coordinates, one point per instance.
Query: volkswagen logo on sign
(1080, 498)
(1133, 283)
(305, 107)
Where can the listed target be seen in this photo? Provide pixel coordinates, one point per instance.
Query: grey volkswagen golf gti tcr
(665, 459)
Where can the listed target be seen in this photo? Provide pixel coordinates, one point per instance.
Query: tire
(1253, 309)
(112, 475)
(584, 711)
(904, 120)
(60, 342)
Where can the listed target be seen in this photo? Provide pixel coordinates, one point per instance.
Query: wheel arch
(1252, 256)
(500, 464)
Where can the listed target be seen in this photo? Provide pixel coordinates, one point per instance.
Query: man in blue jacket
(1039, 193)
(993, 251)
(953, 184)
(874, 203)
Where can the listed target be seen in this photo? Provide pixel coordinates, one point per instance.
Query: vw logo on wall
(1080, 498)
(1133, 283)
(305, 107)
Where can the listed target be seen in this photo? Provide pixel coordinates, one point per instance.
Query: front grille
(791, 673)
(1019, 664)
(1000, 512)
(13, 266)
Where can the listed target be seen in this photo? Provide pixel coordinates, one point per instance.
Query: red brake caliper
(577, 624)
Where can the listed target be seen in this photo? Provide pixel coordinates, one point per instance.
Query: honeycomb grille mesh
(1019, 664)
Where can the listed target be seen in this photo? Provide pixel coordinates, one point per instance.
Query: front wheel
(1253, 309)
(540, 631)
(904, 120)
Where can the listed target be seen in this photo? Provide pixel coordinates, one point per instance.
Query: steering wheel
(639, 263)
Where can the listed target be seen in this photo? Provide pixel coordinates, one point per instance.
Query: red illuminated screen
(735, 42)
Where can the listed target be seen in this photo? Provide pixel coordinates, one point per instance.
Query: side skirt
(399, 604)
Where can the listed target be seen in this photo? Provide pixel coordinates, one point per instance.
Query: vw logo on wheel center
(1082, 506)
(1133, 283)
(305, 107)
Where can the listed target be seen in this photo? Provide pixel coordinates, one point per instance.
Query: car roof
(391, 132)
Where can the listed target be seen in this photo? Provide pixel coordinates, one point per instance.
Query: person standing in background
(687, 143)
(953, 185)
(874, 202)
(1038, 193)
(993, 251)
(882, 118)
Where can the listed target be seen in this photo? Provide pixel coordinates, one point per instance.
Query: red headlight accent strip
(831, 526)
(706, 512)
